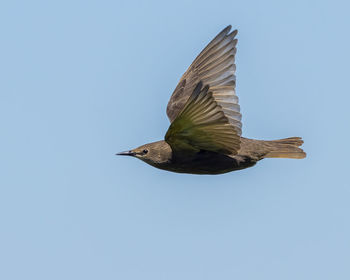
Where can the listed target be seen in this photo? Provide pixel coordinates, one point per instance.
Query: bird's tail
(284, 148)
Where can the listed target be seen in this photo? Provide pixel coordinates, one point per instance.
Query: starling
(204, 136)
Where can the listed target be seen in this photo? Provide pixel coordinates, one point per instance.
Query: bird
(204, 136)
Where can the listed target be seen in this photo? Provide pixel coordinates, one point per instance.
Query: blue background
(82, 80)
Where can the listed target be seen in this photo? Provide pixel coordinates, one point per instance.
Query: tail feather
(285, 148)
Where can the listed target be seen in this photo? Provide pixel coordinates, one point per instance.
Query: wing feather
(202, 125)
(215, 67)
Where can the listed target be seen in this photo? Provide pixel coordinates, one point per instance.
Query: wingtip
(227, 29)
(234, 33)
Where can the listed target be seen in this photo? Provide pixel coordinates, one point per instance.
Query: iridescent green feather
(202, 125)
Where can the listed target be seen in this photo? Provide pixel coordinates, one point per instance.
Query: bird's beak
(126, 153)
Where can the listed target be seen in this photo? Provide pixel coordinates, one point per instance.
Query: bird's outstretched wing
(202, 125)
(215, 67)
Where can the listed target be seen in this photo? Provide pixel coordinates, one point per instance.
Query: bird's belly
(209, 163)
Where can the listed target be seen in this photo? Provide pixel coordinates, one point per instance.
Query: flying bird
(204, 136)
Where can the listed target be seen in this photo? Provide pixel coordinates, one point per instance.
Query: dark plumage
(205, 132)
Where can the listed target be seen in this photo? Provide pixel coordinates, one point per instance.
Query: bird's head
(152, 153)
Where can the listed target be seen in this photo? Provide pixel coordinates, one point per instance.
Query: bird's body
(206, 162)
(205, 132)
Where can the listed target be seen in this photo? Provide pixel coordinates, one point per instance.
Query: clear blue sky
(82, 80)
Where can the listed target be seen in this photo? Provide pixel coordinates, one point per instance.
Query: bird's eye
(145, 152)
